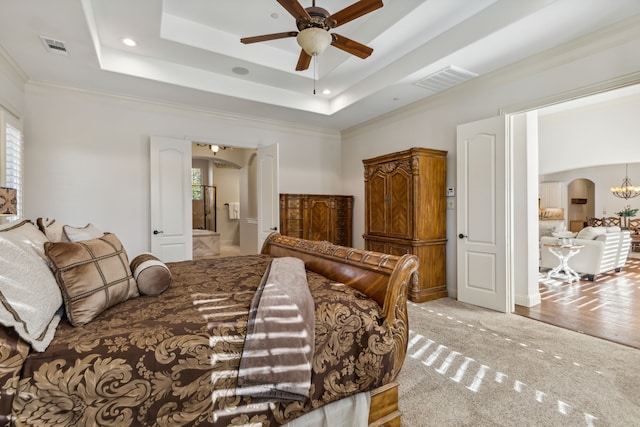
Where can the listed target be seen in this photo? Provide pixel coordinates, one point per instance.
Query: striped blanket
(277, 355)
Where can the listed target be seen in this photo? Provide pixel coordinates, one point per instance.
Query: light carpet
(467, 366)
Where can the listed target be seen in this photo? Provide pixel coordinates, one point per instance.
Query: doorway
(228, 171)
(581, 197)
(594, 308)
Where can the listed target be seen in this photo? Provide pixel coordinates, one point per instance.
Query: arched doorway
(581, 203)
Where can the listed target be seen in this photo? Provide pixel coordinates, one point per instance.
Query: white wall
(227, 181)
(533, 82)
(11, 87)
(603, 134)
(87, 156)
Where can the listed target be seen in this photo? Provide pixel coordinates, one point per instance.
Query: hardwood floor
(608, 307)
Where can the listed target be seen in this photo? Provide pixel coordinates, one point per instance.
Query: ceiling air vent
(445, 78)
(54, 46)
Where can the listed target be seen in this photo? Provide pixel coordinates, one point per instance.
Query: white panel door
(170, 166)
(482, 167)
(268, 192)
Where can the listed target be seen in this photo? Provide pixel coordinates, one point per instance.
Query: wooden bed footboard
(384, 278)
(384, 410)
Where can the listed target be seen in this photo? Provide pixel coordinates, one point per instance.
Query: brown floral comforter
(172, 359)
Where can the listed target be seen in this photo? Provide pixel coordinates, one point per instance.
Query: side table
(563, 253)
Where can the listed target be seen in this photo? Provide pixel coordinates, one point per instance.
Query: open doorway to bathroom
(222, 200)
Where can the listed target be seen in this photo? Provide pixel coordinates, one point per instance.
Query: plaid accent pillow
(93, 275)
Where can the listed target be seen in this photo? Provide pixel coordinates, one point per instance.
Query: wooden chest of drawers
(317, 217)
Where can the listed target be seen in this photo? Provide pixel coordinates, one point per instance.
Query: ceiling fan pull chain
(315, 66)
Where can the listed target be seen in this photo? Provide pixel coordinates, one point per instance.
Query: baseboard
(527, 300)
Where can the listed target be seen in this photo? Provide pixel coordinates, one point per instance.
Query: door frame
(515, 163)
(193, 140)
(523, 262)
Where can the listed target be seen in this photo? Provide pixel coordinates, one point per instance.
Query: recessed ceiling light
(240, 70)
(326, 92)
(275, 15)
(129, 42)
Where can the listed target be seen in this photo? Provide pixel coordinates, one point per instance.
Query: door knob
(274, 228)
(462, 236)
(157, 232)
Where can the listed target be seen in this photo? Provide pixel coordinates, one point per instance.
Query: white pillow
(612, 229)
(31, 298)
(26, 235)
(590, 233)
(80, 234)
(545, 229)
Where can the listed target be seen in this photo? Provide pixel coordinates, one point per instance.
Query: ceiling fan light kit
(314, 24)
(314, 40)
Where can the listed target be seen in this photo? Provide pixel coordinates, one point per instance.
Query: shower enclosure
(204, 207)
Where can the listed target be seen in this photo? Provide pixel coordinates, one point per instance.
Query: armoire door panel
(400, 216)
(377, 215)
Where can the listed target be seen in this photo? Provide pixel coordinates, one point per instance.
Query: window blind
(13, 160)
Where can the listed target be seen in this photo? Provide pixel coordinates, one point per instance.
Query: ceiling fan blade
(264, 38)
(354, 11)
(303, 61)
(295, 9)
(351, 46)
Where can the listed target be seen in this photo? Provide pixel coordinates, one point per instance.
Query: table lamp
(8, 201)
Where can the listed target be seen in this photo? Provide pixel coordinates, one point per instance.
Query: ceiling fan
(314, 24)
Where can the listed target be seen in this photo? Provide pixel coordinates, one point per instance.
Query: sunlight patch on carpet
(472, 374)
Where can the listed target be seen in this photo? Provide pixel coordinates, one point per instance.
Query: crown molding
(254, 121)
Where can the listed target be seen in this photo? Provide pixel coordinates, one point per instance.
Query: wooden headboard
(384, 278)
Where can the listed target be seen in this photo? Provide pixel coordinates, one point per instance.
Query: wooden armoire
(405, 213)
(317, 217)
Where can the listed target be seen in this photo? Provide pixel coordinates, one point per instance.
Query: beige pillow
(152, 275)
(79, 234)
(50, 228)
(93, 275)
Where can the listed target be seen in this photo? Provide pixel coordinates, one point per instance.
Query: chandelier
(626, 190)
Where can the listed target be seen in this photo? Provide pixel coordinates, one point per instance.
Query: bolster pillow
(152, 275)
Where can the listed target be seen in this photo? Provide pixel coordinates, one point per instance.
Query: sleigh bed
(173, 358)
